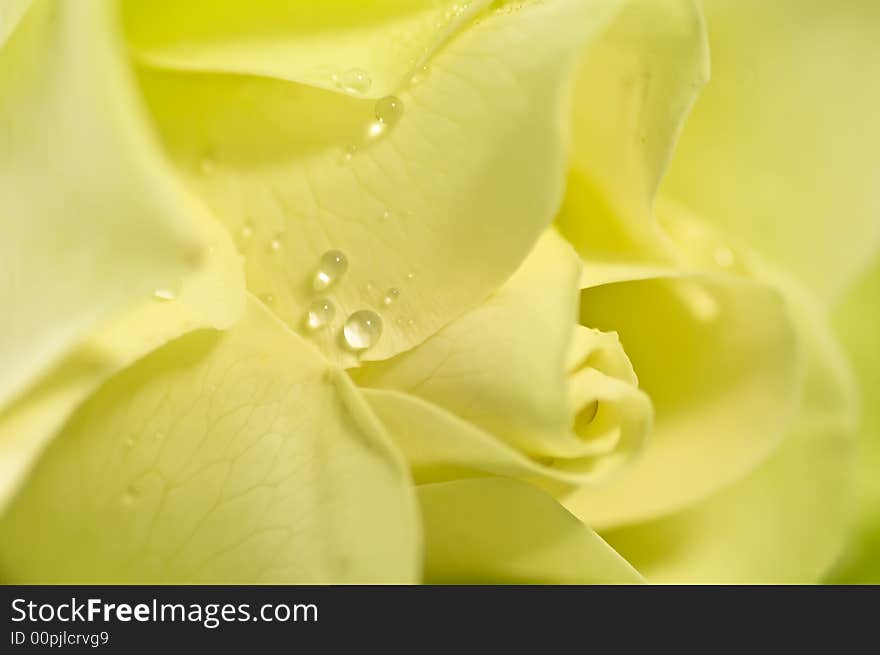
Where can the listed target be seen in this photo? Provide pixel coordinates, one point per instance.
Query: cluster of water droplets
(362, 328)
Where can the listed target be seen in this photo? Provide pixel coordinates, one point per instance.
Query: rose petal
(856, 320)
(506, 367)
(213, 296)
(720, 359)
(505, 532)
(784, 523)
(92, 223)
(443, 205)
(314, 43)
(781, 149)
(635, 86)
(223, 458)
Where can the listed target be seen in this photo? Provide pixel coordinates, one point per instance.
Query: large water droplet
(362, 329)
(390, 296)
(164, 295)
(389, 110)
(331, 267)
(355, 80)
(320, 313)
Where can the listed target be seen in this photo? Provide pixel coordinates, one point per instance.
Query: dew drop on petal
(362, 329)
(355, 80)
(331, 268)
(389, 110)
(390, 296)
(275, 244)
(246, 231)
(320, 313)
(164, 295)
(268, 299)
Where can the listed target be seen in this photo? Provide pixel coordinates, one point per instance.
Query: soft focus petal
(857, 320)
(634, 88)
(91, 220)
(211, 297)
(720, 359)
(784, 523)
(442, 203)
(223, 458)
(11, 14)
(324, 44)
(781, 149)
(507, 367)
(506, 532)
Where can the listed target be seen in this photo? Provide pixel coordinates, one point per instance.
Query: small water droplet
(362, 329)
(246, 231)
(355, 80)
(386, 214)
(268, 299)
(276, 244)
(411, 276)
(164, 295)
(389, 110)
(320, 313)
(724, 257)
(410, 322)
(331, 267)
(390, 296)
(420, 75)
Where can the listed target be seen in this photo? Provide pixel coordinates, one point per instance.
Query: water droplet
(349, 152)
(268, 299)
(410, 322)
(362, 329)
(389, 110)
(331, 267)
(275, 244)
(390, 296)
(246, 231)
(386, 214)
(724, 257)
(320, 313)
(411, 276)
(355, 80)
(420, 75)
(164, 295)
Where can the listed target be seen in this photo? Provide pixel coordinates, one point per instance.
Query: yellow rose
(363, 292)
